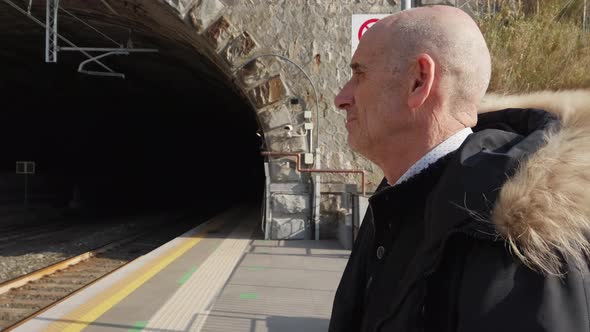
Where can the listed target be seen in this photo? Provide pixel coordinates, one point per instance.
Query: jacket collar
(470, 185)
(523, 178)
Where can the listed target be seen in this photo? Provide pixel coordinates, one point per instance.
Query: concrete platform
(218, 277)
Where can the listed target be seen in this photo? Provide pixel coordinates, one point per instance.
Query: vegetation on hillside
(536, 45)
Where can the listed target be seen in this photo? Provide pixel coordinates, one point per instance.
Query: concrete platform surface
(220, 276)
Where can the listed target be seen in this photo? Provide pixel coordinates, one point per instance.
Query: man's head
(418, 76)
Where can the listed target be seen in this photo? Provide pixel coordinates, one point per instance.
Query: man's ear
(422, 80)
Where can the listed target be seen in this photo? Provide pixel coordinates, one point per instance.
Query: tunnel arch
(276, 89)
(268, 85)
(218, 39)
(184, 55)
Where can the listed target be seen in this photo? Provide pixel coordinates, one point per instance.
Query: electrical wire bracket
(101, 73)
(52, 37)
(109, 51)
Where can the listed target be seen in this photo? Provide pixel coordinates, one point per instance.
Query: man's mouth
(349, 121)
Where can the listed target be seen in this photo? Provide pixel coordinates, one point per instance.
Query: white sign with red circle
(360, 24)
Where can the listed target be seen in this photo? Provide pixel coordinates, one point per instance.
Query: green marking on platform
(256, 268)
(138, 326)
(187, 275)
(249, 296)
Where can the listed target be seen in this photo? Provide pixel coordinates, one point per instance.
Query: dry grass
(537, 47)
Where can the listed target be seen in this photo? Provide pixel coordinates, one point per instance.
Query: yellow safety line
(87, 313)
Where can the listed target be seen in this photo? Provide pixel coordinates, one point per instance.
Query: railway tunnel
(125, 158)
(173, 133)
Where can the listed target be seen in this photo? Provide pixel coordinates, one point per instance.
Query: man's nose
(345, 98)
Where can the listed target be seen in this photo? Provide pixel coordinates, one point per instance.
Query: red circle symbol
(365, 26)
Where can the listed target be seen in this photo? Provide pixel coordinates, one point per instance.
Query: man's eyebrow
(357, 66)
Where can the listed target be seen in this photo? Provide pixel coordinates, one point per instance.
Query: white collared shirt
(449, 145)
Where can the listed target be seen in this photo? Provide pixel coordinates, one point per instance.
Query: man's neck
(397, 161)
(400, 157)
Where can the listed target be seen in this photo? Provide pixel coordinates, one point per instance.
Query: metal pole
(406, 4)
(267, 212)
(67, 41)
(317, 196)
(51, 31)
(317, 199)
(26, 189)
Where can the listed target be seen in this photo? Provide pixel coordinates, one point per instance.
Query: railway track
(25, 297)
(15, 232)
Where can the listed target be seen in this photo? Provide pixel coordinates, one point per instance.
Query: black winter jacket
(490, 238)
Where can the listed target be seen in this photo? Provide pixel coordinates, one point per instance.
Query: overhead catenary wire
(90, 26)
(106, 4)
(67, 41)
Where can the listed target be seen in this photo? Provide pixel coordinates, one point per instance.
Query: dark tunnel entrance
(173, 134)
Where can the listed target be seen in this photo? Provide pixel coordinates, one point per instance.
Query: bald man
(480, 222)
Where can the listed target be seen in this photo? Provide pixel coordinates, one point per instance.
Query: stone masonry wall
(314, 34)
(270, 50)
(263, 46)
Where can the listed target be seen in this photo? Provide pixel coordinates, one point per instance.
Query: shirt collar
(449, 145)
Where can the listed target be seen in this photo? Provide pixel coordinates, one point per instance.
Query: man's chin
(354, 146)
(357, 146)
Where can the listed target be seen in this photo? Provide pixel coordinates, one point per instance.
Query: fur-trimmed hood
(543, 210)
(431, 251)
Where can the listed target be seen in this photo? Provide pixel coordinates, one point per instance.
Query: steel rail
(53, 304)
(68, 262)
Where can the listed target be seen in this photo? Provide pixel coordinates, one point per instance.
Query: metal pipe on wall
(316, 192)
(313, 170)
